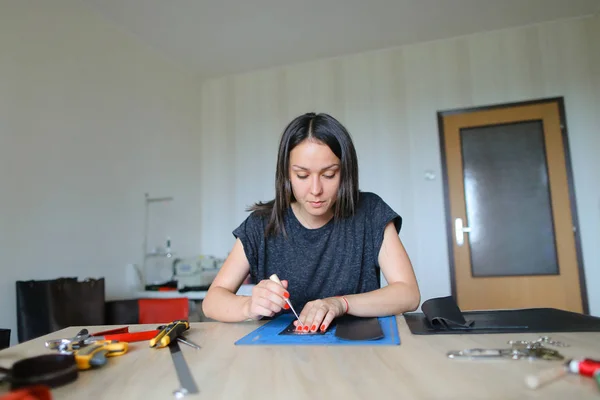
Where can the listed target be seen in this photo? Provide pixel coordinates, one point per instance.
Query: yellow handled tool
(170, 333)
(170, 336)
(95, 354)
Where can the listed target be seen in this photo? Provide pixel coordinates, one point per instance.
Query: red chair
(160, 311)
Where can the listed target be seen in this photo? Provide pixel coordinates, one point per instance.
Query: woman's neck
(310, 221)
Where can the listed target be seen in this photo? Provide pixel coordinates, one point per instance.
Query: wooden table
(417, 369)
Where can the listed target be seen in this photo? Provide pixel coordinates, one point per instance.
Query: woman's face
(315, 178)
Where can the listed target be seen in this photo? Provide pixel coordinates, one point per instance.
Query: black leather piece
(357, 328)
(443, 313)
(122, 312)
(49, 305)
(4, 338)
(534, 320)
(51, 370)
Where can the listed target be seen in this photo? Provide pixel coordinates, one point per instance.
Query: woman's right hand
(268, 298)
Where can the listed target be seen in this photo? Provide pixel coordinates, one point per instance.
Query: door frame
(572, 198)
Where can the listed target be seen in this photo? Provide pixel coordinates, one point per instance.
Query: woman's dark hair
(327, 130)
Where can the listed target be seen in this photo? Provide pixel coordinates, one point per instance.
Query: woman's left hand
(318, 314)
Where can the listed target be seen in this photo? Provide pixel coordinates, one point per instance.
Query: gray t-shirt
(340, 258)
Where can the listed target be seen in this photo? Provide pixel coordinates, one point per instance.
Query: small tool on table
(519, 349)
(584, 367)
(515, 353)
(275, 279)
(88, 353)
(94, 355)
(84, 338)
(171, 333)
(68, 344)
(170, 336)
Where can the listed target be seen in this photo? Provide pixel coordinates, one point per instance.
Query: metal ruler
(186, 380)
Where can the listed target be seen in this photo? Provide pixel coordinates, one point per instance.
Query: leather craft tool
(171, 333)
(186, 380)
(84, 338)
(547, 376)
(275, 279)
(585, 367)
(170, 336)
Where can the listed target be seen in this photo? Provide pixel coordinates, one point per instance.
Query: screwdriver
(275, 279)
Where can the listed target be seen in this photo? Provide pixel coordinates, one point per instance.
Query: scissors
(89, 351)
(95, 355)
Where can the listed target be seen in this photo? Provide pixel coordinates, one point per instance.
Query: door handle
(459, 231)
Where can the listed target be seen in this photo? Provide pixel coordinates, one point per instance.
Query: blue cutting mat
(268, 334)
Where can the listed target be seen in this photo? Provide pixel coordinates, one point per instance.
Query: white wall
(388, 100)
(90, 120)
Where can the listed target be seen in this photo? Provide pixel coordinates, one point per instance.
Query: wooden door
(511, 219)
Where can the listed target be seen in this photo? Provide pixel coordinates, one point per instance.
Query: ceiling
(221, 37)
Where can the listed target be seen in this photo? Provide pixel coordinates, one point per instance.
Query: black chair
(4, 338)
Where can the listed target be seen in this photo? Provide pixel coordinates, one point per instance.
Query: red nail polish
(306, 328)
(313, 328)
(286, 295)
(286, 306)
(323, 328)
(298, 328)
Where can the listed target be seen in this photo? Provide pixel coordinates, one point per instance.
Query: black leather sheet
(442, 316)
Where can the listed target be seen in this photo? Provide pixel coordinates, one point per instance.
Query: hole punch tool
(170, 336)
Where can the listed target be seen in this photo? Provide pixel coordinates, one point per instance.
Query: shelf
(245, 290)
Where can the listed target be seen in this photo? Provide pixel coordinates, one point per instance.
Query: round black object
(52, 370)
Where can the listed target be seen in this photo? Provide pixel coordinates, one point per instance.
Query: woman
(324, 238)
